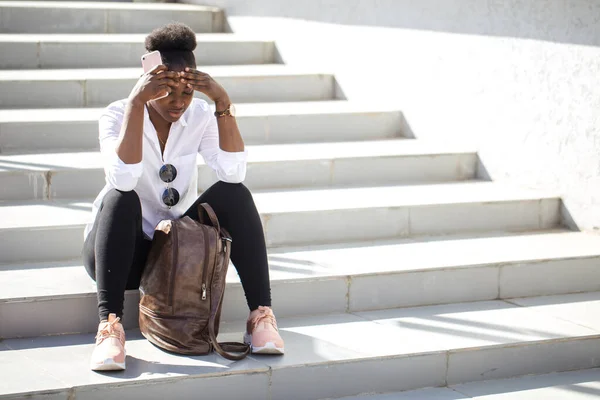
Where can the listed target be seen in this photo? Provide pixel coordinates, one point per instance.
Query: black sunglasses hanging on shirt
(167, 174)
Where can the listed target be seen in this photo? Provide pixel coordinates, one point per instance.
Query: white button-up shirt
(195, 132)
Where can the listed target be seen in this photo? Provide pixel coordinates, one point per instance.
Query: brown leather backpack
(183, 284)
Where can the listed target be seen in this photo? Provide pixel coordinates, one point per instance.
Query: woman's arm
(230, 166)
(129, 144)
(120, 175)
(230, 139)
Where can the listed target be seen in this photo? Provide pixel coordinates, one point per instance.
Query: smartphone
(151, 60)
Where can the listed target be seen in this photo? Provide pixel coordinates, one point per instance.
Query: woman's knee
(122, 202)
(237, 191)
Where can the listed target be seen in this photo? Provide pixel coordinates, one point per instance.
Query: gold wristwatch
(230, 111)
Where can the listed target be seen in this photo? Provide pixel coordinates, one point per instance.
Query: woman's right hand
(154, 84)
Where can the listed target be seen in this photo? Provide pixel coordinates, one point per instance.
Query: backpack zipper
(224, 249)
(205, 266)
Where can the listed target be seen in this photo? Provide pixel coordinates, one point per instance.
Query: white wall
(519, 79)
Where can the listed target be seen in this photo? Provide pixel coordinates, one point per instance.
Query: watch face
(232, 110)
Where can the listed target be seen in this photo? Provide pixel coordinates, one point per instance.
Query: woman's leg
(237, 213)
(115, 251)
(114, 256)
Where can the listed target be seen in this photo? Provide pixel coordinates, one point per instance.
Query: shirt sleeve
(230, 167)
(118, 174)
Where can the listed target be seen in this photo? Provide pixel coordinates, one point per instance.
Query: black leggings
(115, 251)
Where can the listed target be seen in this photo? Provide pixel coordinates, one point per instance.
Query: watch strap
(223, 113)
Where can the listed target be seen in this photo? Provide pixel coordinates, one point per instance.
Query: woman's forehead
(176, 67)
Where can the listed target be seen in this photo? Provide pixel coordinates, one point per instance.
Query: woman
(149, 145)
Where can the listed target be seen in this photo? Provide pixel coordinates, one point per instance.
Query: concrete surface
(519, 80)
(333, 348)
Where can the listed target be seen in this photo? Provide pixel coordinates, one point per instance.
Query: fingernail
(183, 80)
(188, 85)
(187, 69)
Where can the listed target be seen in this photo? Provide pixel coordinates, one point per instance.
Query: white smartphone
(151, 60)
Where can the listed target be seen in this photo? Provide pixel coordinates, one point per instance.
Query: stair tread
(47, 115)
(256, 154)
(107, 5)
(579, 385)
(24, 282)
(222, 71)
(31, 214)
(117, 38)
(431, 333)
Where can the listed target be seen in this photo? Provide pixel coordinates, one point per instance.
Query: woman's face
(172, 107)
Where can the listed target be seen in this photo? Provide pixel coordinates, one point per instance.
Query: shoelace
(109, 331)
(265, 316)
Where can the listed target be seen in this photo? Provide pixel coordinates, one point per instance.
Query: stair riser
(350, 378)
(393, 374)
(513, 361)
(19, 55)
(82, 310)
(337, 226)
(40, 244)
(79, 183)
(101, 92)
(80, 20)
(354, 293)
(47, 137)
(502, 281)
(50, 136)
(367, 171)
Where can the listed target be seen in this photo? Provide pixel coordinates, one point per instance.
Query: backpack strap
(211, 215)
(224, 349)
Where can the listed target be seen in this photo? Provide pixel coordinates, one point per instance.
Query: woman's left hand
(203, 83)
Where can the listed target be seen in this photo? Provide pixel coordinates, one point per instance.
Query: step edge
(262, 368)
(269, 214)
(375, 154)
(330, 277)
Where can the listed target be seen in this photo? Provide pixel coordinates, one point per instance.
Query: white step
(572, 385)
(100, 87)
(55, 130)
(326, 356)
(291, 217)
(57, 298)
(30, 51)
(94, 17)
(387, 162)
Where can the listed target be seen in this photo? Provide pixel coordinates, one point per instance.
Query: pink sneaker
(109, 354)
(262, 333)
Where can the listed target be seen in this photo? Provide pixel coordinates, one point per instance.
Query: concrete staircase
(393, 265)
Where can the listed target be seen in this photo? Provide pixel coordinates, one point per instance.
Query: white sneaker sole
(108, 365)
(268, 348)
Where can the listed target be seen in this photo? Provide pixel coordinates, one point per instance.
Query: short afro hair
(175, 42)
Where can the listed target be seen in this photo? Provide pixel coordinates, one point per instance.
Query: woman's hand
(203, 83)
(154, 84)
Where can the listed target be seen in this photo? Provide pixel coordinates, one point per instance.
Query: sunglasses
(167, 174)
